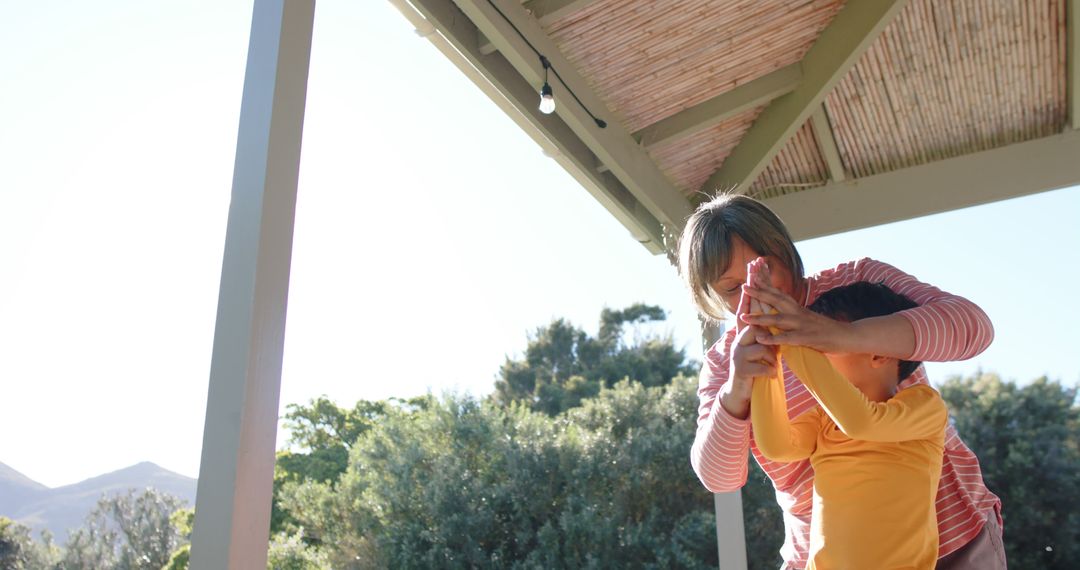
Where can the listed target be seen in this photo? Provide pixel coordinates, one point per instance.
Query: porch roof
(839, 115)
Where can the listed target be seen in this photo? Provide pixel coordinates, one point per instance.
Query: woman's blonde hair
(705, 245)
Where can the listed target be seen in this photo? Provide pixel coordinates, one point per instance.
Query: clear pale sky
(431, 234)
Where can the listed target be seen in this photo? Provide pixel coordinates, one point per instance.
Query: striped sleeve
(721, 445)
(947, 327)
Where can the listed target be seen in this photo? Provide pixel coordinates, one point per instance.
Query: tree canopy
(1027, 439)
(564, 365)
(460, 482)
(580, 458)
(130, 531)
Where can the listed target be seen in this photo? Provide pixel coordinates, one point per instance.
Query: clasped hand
(763, 307)
(796, 325)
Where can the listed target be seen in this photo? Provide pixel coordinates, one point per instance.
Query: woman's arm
(946, 327)
(943, 327)
(719, 453)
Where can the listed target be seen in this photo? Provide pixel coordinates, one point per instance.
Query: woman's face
(729, 284)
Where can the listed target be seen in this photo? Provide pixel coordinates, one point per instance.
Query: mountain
(64, 508)
(16, 488)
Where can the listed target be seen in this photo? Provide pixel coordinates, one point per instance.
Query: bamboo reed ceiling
(951, 78)
(798, 165)
(945, 78)
(689, 161)
(650, 59)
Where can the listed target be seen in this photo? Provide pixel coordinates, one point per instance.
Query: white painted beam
(838, 48)
(1008, 172)
(1072, 55)
(441, 22)
(827, 144)
(730, 528)
(612, 145)
(486, 47)
(547, 11)
(712, 112)
(235, 488)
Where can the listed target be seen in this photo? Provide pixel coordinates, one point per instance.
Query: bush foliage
(579, 459)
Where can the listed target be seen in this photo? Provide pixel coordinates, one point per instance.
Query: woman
(719, 240)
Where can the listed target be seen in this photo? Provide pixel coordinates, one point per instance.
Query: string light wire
(547, 65)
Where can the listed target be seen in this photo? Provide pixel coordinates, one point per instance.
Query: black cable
(547, 65)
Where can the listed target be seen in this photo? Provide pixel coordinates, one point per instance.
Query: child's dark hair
(862, 300)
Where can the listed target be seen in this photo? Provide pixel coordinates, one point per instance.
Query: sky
(432, 235)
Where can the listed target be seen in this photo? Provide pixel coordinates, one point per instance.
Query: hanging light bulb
(547, 99)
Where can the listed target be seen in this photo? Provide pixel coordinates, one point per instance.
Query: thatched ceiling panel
(951, 78)
(797, 166)
(649, 60)
(689, 161)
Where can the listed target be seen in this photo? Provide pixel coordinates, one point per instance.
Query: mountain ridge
(62, 509)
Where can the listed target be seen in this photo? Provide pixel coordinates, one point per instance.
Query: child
(876, 452)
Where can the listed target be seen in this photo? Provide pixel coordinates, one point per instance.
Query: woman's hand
(797, 325)
(748, 360)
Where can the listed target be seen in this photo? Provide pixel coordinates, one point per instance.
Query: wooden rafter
(1007, 172)
(516, 35)
(838, 48)
(545, 12)
(827, 143)
(1073, 56)
(710, 113)
(456, 37)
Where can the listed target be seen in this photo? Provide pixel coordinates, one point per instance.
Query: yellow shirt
(876, 464)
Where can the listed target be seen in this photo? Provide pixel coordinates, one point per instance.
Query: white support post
(235, 489)
(730, 529)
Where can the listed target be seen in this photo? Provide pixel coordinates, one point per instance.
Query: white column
(232, 507)
(730, 530)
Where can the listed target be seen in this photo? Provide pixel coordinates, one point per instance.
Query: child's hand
(748, 358)
(796, 325)
(757, 274)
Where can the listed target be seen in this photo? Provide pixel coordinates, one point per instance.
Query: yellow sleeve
(914, 413)
(778, 438)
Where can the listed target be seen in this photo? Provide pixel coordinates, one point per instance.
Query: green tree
(1027, 439)
(320, 436)
(183, 521)
(762, 520)
(131, 531)
(459, 482)
(19, 551)
(563, 365)
(290, 552)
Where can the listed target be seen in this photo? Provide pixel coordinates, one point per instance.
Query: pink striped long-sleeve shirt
(947, 328)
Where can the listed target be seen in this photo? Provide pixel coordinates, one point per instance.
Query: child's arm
(777, 437)
(915, 413)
